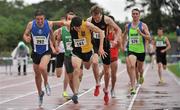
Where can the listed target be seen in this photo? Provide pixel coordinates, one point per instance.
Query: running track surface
(19, 92)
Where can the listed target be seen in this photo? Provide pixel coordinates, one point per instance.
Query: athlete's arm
(168, 45)
(118, 32)
(124, 36)
(57, 36)
(52, 40)
(146, 33)
(94, 28)
(154, 43)
(27, 36)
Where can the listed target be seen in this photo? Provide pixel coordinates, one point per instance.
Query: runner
(40, 34)
(114, 58)
(59, 64)
(64, 39)
(137, 33)
(102, 21)
(162, 45)
(82, 47)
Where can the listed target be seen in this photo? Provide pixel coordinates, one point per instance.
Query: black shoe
(75, 99)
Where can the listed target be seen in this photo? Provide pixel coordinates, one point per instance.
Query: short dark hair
(39, 12)
(69, 13)
(136, 9)
(160, 28)
(96, 10)
(76, 21)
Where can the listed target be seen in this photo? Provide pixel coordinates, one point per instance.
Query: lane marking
(173, 76)
(18, 84)
(137, 90)
(27, 94)
(124, 70)
(33, 92)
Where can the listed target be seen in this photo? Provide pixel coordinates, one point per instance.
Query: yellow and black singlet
(81, 40)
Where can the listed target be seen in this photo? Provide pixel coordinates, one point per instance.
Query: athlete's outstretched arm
(26, 35)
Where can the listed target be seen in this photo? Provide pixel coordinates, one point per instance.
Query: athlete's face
(135, 15)
(69, 17)
(97, 17)
(160, 32)
(77, 28)
(40, 20)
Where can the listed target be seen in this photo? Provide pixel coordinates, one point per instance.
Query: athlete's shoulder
(89, 19)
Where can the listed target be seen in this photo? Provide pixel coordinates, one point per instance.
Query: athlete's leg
(38, 78)
(160, 71)
(76, 63)
(43, 67)
(106, 75)
(114, 66)
(95, 67)
(66, 80)
(132, 68)
(59, 72)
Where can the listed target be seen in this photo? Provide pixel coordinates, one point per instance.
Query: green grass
(175, 68)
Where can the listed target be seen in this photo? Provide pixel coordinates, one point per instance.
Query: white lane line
(24, 95)
(33, 92)
(137, 90)
(124, 70)
(18, 84)
(4, 78)
(174, 77)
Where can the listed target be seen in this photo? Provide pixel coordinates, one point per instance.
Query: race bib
(68, 45)
(134, 41)
(96, 35)
(160, 44)
(40, 40)
(79, 42)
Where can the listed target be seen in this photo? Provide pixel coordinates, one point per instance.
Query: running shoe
(96, 91)
(161, 81)
(48, 89)
(41, 98)
(141, 80)
(133, 91)
(106, 97)
(75, 99)
(65, 94)
(113, 93)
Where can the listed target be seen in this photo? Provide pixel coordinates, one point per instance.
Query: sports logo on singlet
(160, 44)
(134, 39)
(68, 42)
(96, 35)
(79, 42)
(40, 40)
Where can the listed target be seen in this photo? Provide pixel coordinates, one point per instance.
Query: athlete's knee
(42, 68)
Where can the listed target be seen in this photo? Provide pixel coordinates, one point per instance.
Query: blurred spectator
(21, 54)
